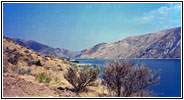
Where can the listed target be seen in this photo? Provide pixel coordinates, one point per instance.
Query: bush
(26, 59)
(126, 80)
(30, 56)
(80, 79)
(38, 63)
(22, 71)
(14, 50)
(26, 51)
(47, 80)
(15, 59)
(43, 78)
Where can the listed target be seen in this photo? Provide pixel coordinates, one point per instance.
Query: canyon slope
(162, 44)
(27, 73)
(20, 67)
(44, 49)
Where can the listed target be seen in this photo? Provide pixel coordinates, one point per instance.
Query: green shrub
(56, 80)
(47, 80)
(40, 77)
(80, 79)
(43, 78)
(126, 79)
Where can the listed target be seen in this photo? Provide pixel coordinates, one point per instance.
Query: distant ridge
(162, 44)
(44, 49)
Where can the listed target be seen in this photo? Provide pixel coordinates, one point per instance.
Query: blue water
(170, 77)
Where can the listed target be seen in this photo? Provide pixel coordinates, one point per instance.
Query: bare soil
(18, 87)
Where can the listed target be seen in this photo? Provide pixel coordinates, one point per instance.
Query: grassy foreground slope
(27, 73)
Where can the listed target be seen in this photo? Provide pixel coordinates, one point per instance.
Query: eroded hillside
(162, 44)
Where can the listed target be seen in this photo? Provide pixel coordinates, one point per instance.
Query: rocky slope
(22, 67)
(162, 44)
(45, 49)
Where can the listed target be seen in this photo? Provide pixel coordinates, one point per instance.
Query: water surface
(170, 77)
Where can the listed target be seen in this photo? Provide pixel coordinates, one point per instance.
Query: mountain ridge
(151, 45)
(44, 49)
(130, 47)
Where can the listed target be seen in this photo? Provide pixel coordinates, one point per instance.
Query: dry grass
(54, 67)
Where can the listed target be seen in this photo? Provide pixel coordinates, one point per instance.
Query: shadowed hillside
(45, 49)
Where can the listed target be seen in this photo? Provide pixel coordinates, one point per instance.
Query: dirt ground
(18, 87)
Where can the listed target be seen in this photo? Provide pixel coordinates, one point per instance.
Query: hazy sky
(77, 26)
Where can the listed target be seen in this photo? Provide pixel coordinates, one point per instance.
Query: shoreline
(83, 64)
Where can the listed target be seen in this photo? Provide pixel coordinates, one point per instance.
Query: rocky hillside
(27, 73)
(45, 49)
(162, 44)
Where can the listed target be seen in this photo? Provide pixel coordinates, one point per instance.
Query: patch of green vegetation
(56, 79)
(80, 79)
(47, 80)
(43, 78)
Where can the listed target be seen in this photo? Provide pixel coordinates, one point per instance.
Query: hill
(27, 73)
(162, 44)
(44, 49)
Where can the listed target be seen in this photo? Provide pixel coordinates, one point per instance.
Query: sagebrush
(127, 79)
(82, 78)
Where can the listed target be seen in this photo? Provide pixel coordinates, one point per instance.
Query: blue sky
(77, 26)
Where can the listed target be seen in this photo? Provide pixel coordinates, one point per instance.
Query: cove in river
(170, 77)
